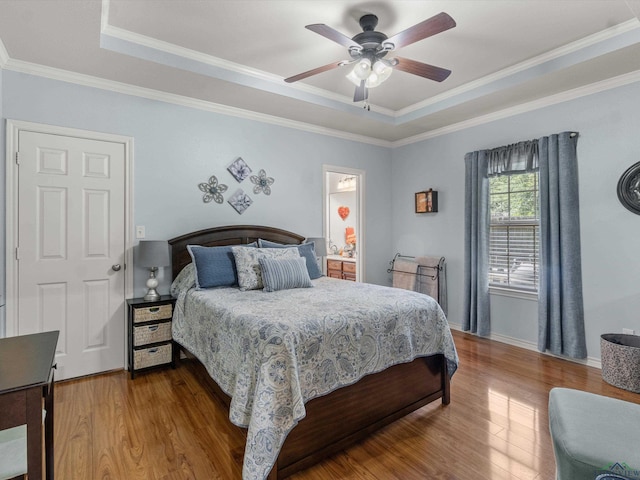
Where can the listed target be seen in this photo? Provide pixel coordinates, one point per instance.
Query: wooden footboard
(349, 414)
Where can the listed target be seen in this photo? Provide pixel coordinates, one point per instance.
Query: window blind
(514, 231)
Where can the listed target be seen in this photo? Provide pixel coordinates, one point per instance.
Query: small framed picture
(427, 201)
(240, 201)
(239, 169)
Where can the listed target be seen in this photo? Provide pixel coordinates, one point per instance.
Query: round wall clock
(629, 189)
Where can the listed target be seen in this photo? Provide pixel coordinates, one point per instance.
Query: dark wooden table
(26, 376)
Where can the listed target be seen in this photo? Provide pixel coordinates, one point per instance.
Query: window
(514, 231)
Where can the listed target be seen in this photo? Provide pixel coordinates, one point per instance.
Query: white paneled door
(71, 248)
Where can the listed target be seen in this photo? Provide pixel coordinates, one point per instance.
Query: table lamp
(153, 254)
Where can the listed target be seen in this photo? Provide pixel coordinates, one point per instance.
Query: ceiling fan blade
(361, 93)
(436, 24)
(315, 71)
(422, 69)
(332, 34)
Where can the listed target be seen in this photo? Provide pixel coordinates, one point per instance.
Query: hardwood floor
(163, 425)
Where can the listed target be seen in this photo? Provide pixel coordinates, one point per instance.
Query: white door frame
(360, 179)
(13, 130)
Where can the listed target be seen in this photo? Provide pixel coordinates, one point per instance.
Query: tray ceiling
(232, 57)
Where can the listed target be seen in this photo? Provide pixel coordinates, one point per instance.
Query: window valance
(519, 157)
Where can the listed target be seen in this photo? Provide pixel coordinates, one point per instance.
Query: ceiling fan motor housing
(369, 39)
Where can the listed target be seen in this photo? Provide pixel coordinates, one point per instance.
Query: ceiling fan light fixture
(368, 48)
(382, 70)
(373, 80)
(353, 78)
(379, 67)
(362, 69)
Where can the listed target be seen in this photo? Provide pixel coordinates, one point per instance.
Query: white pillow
(185, 280)
(248, 263)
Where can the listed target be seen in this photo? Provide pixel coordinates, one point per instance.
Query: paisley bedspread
(273, 351)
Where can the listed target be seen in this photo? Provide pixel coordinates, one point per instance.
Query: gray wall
(608, 123)
(176, 148)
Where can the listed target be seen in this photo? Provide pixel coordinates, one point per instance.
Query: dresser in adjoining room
(340, 267)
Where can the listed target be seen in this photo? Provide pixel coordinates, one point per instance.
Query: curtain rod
(571, 135)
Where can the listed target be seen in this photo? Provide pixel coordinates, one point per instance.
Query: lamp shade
(153, 253)
(320, 246)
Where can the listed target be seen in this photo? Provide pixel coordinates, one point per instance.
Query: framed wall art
(629, 189)
(240, 201)
(239, 169)
(427, 201)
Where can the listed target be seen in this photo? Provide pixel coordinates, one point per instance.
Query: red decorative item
(343, 212)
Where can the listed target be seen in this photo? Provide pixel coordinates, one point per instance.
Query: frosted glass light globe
(362, 69)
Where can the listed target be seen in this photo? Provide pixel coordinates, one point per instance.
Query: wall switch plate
(140, 233)
(628, 331)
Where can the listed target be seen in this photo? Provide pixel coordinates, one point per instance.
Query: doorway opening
(343, 193)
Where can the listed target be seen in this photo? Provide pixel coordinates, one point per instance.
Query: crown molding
(128, 42)
(175, 99)
(172, 49)
(4, 56)
(119, 87)
(609, 34)
(104, 14)
(551, 100)
(90, 81)
(152, 50)
(125, 39)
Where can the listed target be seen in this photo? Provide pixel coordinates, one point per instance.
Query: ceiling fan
(368, 49)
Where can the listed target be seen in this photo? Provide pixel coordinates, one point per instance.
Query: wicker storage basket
(621, 360)
(158, 332)
(152, 313)
(148, 357)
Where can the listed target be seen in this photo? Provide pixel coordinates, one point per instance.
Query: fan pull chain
(367, 106)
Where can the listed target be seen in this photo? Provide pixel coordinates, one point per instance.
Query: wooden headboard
(228, 235)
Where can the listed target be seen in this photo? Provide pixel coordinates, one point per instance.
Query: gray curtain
(476, 244)
(560, 306)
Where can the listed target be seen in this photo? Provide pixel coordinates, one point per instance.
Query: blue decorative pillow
(284, 273)
(306, 250)
(215, 266)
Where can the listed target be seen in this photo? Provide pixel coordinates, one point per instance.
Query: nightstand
(150, 340)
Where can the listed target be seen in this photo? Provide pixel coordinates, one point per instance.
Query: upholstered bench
(13, 452)
(593, 434)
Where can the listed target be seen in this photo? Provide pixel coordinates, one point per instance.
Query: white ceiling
(233, 55)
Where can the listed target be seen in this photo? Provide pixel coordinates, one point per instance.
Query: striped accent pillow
(284, 273)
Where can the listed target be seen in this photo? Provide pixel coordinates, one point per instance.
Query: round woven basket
(621, 360)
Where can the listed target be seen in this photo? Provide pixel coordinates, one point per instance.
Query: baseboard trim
(516, 342)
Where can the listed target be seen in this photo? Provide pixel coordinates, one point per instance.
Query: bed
(298, 406)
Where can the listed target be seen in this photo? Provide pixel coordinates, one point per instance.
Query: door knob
(116, 267)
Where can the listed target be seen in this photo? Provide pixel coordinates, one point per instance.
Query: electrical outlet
(140, 233)
(628, 331)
